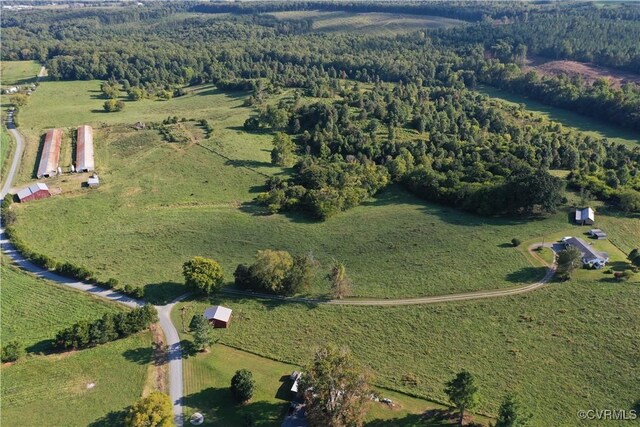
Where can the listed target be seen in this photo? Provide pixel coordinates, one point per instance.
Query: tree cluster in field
(277, 272)
(11, 351)
(451, 146)
(110, 327)
(159, 57)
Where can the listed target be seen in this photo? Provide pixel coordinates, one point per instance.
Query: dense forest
(400, 108)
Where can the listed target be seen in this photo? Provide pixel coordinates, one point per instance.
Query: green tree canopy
(568, 260)
(203, 274)
(462, 392)
(242, 385)
(511, 414)
(340, 388)
(154, 410)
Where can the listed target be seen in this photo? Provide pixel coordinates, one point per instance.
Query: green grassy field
(208, 375)
(161, 203)
(52, 390)
(28, 301)
(379, 23)
(6, 151)
(561, 348)
(18, 72)
(569, 119)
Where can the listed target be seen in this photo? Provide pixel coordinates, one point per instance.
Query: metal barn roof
(50, 153)
(84, 149)
(218, 312)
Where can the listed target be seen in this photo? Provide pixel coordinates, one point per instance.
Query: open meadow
(52, 388)
(18, 72)
(208, 375)
(561, 348)
(56, 390)
(161, 203)
(378, 23)
(29, 301)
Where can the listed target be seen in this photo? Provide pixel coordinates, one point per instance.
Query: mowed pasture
(161, 203)
(34, 310)
(374, 22)
(562, 348)
(18, 72)
(56, 390)
(208, 376)
(569, 119)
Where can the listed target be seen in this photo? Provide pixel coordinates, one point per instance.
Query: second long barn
(84, 149)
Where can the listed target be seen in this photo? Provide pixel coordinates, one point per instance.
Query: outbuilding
(585, 216)
(84, 149)
(596, 233)
(50, 154)
(33, 192)
(218, 316)
(93, 181)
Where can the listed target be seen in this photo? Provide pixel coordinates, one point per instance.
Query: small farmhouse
(218, 316)
(590, 257)
(33, 192)
(585, 216)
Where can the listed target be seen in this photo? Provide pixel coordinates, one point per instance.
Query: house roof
(584, 214)
(588, 253)
(218, 312)
(33, 188)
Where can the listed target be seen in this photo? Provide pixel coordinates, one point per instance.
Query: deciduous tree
(154, 410)
(340, 282)
(203, 274)
(340, 388)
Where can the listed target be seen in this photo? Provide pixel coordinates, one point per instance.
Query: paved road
(6, 186)
(415, 301)
(164, 315)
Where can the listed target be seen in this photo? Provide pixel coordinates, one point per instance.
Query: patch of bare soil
(589, 72)
(160, 358)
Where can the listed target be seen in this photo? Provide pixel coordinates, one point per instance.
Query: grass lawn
(208, 375)
(28, 301)
(18, 72)
(561, 348)
(7, 146)
(52, 390)
(162, 203)
(569, 119)
(379, 23)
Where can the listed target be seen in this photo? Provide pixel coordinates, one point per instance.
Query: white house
(585, 216)
(590, 257)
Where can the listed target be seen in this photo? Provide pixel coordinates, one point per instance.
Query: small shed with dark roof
(218, 316)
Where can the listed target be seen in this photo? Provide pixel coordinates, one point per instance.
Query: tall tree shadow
(113, 418)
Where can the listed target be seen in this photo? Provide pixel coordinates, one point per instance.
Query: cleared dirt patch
(589, 72)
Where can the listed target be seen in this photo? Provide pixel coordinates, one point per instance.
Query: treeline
(606, 35)
(240, 50)
(108, 328)
(451, 146)
(465, 10)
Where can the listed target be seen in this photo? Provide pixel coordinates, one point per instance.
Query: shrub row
(110, 327)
